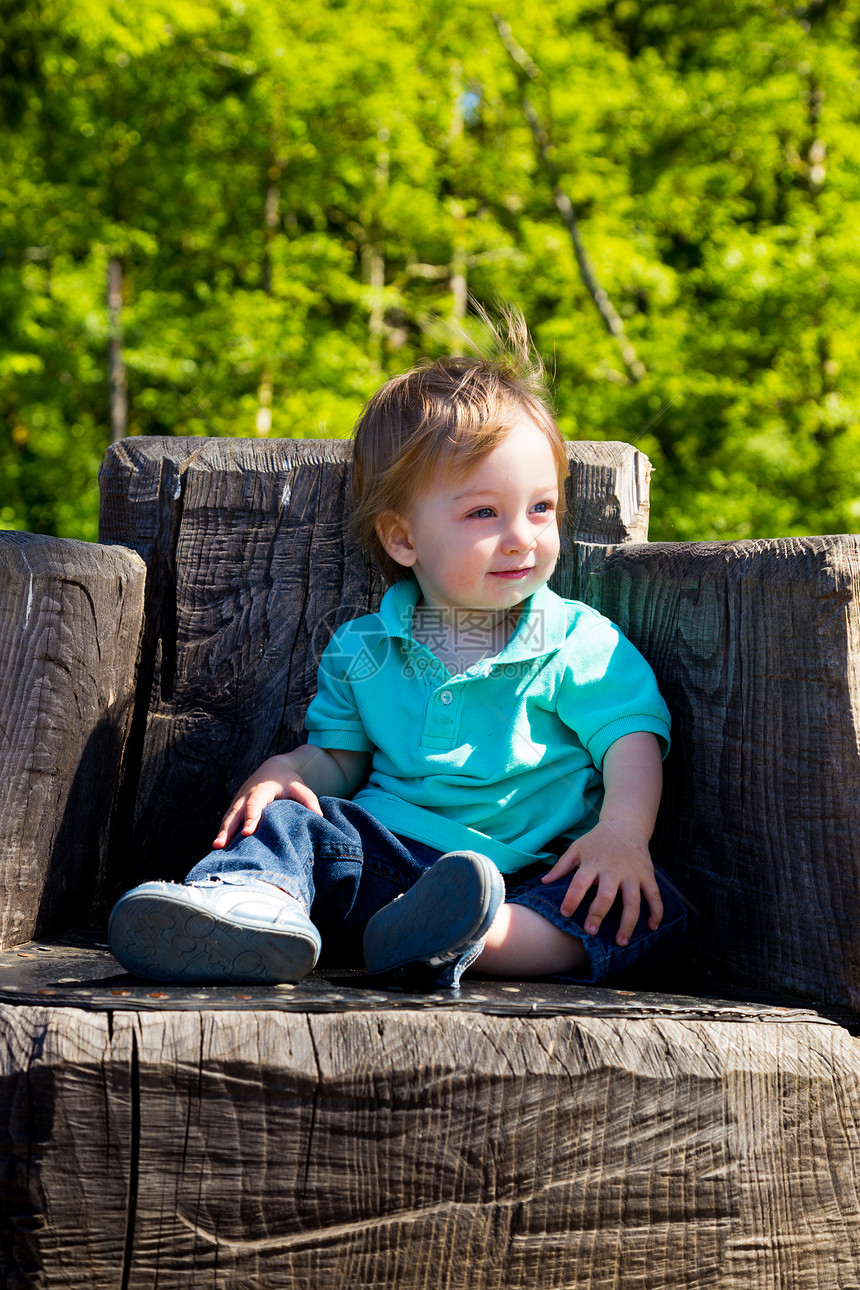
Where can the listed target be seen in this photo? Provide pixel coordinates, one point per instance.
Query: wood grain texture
(607, 493)
(70, 622)
(757, 647)
(250, 570)
(440, 1152)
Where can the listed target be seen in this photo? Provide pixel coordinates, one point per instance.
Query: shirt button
(446, 696)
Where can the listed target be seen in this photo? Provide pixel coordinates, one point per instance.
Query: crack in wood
(133, 1163)
(314, 1104)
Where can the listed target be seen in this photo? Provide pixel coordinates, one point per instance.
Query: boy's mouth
(512, 574)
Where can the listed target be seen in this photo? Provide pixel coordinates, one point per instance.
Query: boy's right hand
(275, 781)
(288, 777)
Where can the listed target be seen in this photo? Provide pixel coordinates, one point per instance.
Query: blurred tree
(300, 198)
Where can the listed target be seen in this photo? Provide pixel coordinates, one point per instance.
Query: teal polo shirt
(503, 759)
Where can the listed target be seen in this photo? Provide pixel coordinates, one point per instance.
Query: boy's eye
(482, 513)
(544, 508)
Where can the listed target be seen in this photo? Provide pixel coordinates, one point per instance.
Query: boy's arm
(614, 855)
(304, 775)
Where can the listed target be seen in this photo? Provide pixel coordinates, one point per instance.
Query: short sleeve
(333, 719)
(607, 689)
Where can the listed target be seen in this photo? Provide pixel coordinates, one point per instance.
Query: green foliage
(300, 194)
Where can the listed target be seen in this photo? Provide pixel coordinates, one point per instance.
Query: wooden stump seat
(696, 1128)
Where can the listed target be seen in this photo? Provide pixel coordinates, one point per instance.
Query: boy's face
(488, 539)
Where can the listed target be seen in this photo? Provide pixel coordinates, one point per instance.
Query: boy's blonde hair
(446, 416)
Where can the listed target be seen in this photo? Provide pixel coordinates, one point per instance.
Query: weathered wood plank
(70, 623)
(577, 562)
(77, 970)
(412, 1150)
(607, 493)
(250, 570)
(757, 649)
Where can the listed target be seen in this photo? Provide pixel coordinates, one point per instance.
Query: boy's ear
(393, 532)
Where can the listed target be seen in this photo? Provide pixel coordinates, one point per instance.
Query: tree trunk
(117, 379)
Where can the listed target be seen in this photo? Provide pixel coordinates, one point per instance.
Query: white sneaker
(230, 927)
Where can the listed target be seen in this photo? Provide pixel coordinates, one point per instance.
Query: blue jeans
(343, 866)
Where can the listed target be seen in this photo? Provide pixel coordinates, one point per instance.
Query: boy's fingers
(305, 797)
(245, 812)
(564, 864)
(600, 907)
(229, 826)
(252, 819)
(261, 796)
(575, 893)
(231, 813)
(655, 904)
(629, 914)
(632, 896)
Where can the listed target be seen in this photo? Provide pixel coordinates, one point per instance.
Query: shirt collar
(542, 625)
(541, 629)
(397, 607)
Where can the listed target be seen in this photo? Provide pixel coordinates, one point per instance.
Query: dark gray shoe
(427, 937)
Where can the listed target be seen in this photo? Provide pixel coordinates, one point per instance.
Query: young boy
(476, 726)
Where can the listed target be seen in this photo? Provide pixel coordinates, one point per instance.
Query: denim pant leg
(341, 866)
(281, 851)
(606, 960)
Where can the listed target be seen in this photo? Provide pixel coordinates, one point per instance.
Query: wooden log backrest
(756, 646)
(70, 625)
(250, 568)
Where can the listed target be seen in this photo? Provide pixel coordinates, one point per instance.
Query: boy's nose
(517, 542)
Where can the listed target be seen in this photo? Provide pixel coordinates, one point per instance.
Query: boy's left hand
(614, 856)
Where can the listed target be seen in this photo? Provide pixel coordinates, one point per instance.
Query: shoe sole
(451, 906)
(162, 938)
